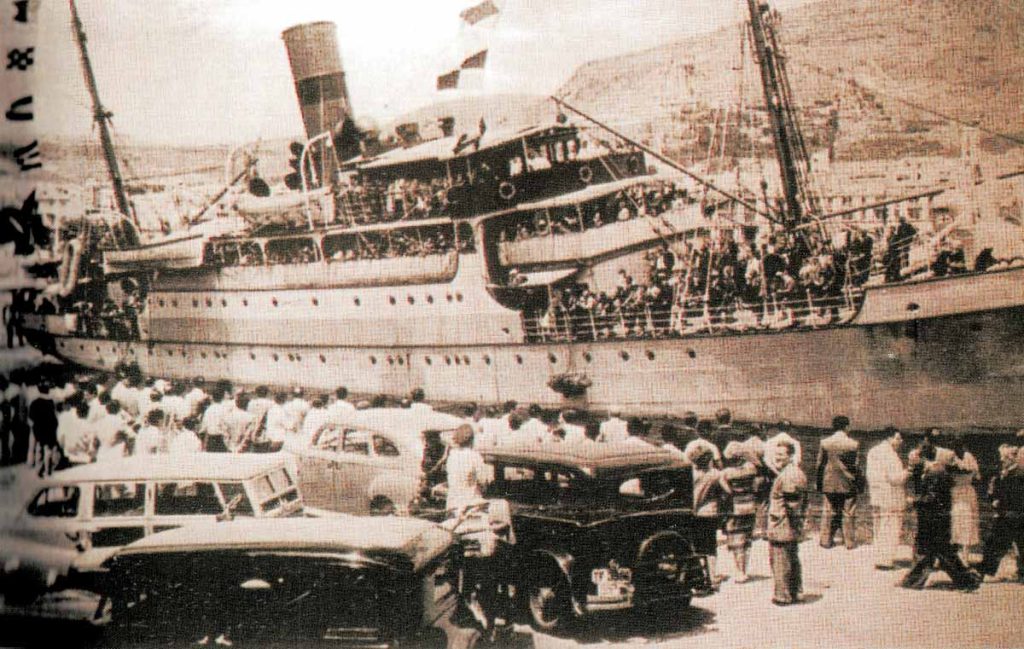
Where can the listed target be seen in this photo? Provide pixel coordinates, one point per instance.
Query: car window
(327, 438)
(119, 499)
(55, 502)
(656, 486)
(356, 441)
(186, 498)
(232, 490)
(384, 447)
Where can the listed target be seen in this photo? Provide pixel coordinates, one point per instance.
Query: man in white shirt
(236, 422)
(195, 396)
(297, 407)
(317, 417)
(467, 472)
(887, 479)
(340, 409)
(213, 426)
(280, 423)
(75, 435)
(614, 429)
(149, 439)
(111, 426)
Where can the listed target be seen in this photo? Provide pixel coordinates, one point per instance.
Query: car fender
(400, 488)
(660, 536)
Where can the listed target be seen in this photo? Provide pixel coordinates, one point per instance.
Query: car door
(316, 480)
(118, 517)
(352, 469)
(176, 504)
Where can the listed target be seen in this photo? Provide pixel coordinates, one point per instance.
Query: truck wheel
(382, 506)
(549, 602)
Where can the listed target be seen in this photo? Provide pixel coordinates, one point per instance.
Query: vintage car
(347, 581)
(379, 461)
(74, 520)
(597, 527)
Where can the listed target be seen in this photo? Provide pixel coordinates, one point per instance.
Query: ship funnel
(320, 81)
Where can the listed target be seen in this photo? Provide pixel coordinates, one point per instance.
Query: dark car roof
(418, 540)
(591, 458)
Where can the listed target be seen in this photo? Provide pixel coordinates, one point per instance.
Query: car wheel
(549, 603)
(382, 506)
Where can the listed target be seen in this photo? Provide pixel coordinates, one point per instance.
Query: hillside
(964, 59)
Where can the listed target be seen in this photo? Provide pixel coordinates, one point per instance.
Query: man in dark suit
(838, 478)
(932, 484)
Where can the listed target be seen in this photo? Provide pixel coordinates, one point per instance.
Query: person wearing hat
(887, 479)
(838, 478)
(742, 477)
(467, 473)
(725, 430)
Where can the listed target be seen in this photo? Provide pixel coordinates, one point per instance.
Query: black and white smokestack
(319, 77)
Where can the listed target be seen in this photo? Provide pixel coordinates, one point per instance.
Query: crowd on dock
(754, 480)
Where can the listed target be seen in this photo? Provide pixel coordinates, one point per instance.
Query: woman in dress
(965, 519)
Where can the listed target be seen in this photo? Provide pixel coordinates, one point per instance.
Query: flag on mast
(479, 12)
(477, 61)
(448, 81)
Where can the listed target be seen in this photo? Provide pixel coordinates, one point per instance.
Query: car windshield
(274, 489)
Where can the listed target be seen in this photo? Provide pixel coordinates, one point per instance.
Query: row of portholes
(400, 360)
(457, 297)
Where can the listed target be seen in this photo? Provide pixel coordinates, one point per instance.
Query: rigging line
(671, 163)
(893, 97)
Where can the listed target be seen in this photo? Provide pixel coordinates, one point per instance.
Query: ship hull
(964, 369)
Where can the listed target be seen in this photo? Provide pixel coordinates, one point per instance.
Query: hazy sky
(211, 71)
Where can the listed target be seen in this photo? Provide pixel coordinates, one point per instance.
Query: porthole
(149, 352)
(519, 359)
(97, 348)
(448, 297)
(392, 300)
(373, 360)
(426, 359)
(209, 302)
(401, 361)
(458, 361)
(323, 359)
(552, 358)
(131, 351)
(587, 356)
(160, 302)
(223, 302)
(465, 359)
(274, 301)
(202, 354)
(691, 353)
(506, 330)
(291, 357)
(245, 302)
(650, 355)
(252, 356)
(624, 355)
(487, 359)
(170, 352)
(298, 358)
(458, 296)
(174, 303)
(195, 303)
(356, 301)
(275, 357)
(447, 360)
(430, 299)
(913, 306)
(81, 348)
(390, 360)
(411, 299)
(315, 302)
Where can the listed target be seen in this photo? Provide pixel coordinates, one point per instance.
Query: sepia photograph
(508, 323)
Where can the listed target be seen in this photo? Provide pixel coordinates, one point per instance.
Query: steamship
(280, 291)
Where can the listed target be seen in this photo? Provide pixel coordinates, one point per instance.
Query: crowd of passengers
(387, 244)
(719, 283)
(650, 200)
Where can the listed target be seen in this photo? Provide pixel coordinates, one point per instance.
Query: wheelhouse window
(297, 250)
(55, 502)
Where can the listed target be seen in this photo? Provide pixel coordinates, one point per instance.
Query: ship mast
(102, 117)
(789, 143)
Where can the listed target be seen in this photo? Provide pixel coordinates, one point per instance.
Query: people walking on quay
(932, 484)
(709, 487)
(787, 504)
(838, 478)
(966, 514)
(744, 479)
(887, 478)
(1007, 493)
